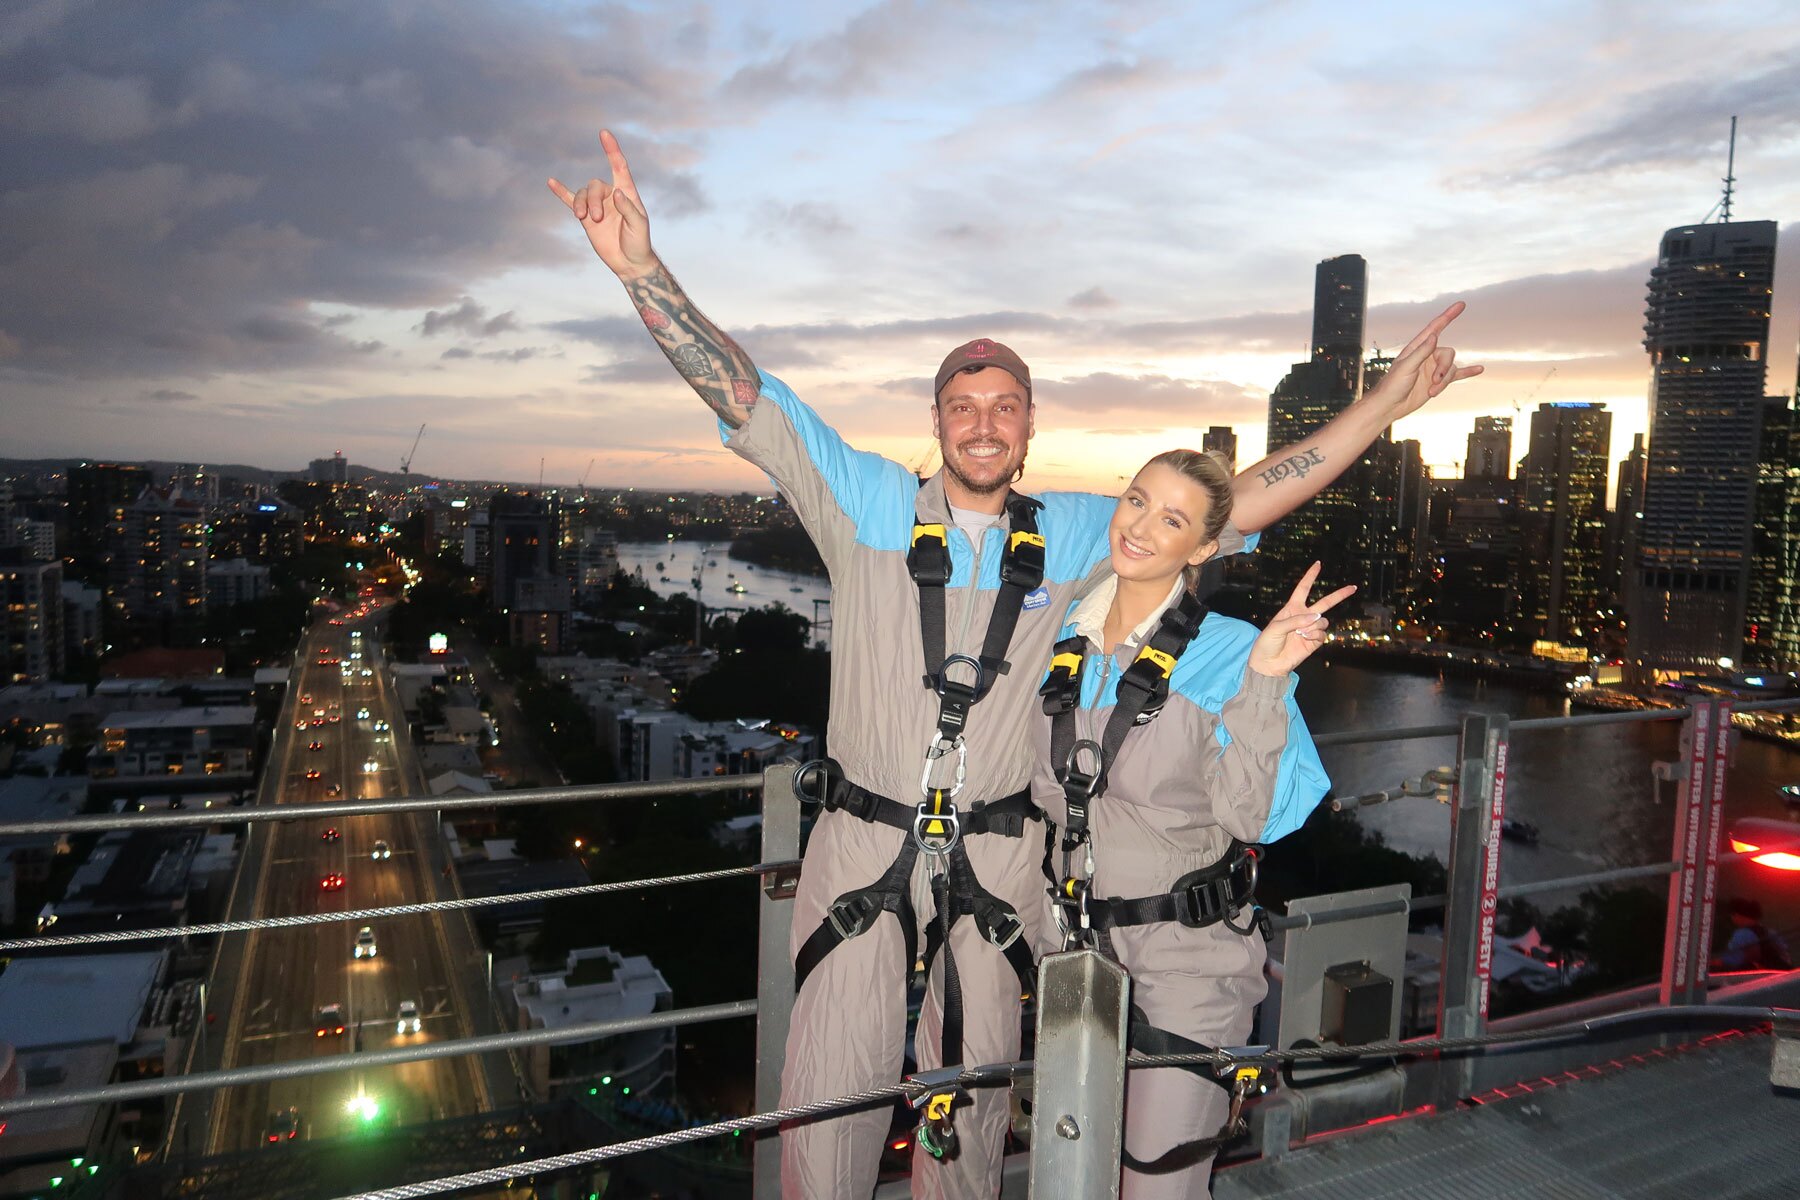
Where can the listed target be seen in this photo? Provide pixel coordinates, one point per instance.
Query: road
(290, 974)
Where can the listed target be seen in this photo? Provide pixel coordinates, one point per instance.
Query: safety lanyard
(928, 561)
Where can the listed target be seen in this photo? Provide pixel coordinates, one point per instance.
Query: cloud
(1094, 297)
(468, 318)
(176, 188)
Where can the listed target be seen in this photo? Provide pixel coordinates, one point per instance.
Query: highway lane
(290, 974)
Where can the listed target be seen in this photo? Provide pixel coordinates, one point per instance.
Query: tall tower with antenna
(1706, 328)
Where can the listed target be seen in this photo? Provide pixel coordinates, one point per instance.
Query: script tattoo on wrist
(715, 366)
(1294, 466)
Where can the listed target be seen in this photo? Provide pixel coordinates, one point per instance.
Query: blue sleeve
(817, 470)
(1300, 781)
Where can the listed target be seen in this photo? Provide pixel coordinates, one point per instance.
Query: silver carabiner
(937, 748)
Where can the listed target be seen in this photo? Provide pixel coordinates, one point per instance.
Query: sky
(260, 233)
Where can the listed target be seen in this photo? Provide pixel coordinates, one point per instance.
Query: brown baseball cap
(983, 352)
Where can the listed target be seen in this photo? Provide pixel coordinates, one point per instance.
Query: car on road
(329, 1021)
(381, 727)
(314, 773)
(318, 722)
(306, 697)
(283, 1126)
(408, 1020)
(370, 767)
(335, 791)
(330, 835)
(368, 673)
(332, 882)
(300, 724)
(316, 744)
(365, 943)
(362, 714)
(382, 851)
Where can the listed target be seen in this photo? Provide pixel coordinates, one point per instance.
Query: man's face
(983, 424)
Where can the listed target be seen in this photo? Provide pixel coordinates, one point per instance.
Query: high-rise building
(1565, 520)
(98, 495)
(1490, 449)
(334, 470)
(1772, 607)
(1221, 439)
(156, 573)
(522, 533)
(1343, 527)
(31, 617)
(1628, 513)
(1707, 331)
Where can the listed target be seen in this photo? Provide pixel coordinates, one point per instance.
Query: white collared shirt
(1089, 617)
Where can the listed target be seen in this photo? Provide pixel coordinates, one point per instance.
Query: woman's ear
(1203, 553)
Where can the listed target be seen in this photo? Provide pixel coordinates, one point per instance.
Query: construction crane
(1520, 401)
(406, 463)
(582, 486)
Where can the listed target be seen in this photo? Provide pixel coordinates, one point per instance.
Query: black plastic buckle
(928, 561)
(850, 915)
(1022, 565)
(1000, 924)
(1207, 902)
(1007, 822)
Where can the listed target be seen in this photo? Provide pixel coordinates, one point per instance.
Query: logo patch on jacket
(1036, 599)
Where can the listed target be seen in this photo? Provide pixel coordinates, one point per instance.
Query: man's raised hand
(1297, 630)
(612, 215)
(1422, 370)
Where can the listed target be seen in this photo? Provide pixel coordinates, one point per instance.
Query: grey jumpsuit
(849, 1021)
(1228, 757)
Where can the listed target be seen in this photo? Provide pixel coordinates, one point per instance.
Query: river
(1588, 790)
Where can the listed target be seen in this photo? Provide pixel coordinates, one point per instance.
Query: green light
(624, 1091)
(56, 1181)
(94, 1169)
(363, 1105)
(76, 1162)
(606, 1080)
(593, 1091)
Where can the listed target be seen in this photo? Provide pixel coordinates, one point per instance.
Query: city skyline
(361, 241)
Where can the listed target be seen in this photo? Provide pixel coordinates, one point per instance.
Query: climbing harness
(935, 826)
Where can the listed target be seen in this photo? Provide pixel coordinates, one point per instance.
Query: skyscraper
(1772, 609)
(1490, 449)
(156, 567)
(1628, 514)
(1331, 527)
(99, 493)
(1565, 519)
(1220, 439)
(1707, 331)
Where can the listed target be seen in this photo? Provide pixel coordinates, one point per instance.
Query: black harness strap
(854, 912)
(1142, 692)
(956, 894)
(1021, 570)
(1146, 1038)
(1006, 816)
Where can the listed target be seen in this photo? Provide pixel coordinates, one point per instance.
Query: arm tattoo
(1294, 466)
(715, 366)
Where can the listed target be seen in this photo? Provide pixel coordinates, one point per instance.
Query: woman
(1172, 746)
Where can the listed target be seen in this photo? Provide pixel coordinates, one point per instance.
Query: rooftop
(183, 718)
(78, 998)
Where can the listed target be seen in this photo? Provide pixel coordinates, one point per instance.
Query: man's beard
(975, 488)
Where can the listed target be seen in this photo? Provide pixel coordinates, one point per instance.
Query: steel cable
(397, 910)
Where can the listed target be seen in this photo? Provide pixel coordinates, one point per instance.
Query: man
(1752, 945)
(946, 597)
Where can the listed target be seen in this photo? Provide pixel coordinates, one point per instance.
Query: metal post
(1475, 819)
(1693, 895)
(1078, 1090)
(775, 974)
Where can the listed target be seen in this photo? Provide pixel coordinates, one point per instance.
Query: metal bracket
(780, 883)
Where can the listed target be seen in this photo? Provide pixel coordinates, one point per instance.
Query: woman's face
(1157, 526)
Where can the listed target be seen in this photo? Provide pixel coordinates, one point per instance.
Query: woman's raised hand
(1297, 630)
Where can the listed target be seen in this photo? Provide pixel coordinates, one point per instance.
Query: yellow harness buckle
(923, 533)
(1068, 662)
(1019, 537)
(1163, 662)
